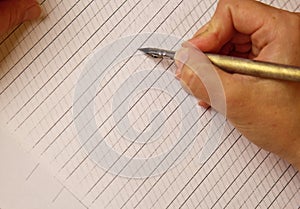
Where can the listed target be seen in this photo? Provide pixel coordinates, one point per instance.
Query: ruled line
(198, 170)
(34, 59)
(29, 31)
(58, 70)
(267, 197)
(103, 122)
(285, 186)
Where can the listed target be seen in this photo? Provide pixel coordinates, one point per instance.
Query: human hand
(14, 12)
(266, 111)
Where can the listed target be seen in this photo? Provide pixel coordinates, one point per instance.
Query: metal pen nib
(158, 53)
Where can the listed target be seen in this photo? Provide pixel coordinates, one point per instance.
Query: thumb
(14, 12)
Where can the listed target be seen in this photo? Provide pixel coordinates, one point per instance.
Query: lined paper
(114, 127)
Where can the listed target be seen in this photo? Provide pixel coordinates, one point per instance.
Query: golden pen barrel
(255, 68)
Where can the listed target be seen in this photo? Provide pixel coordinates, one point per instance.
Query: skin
(266, 111)
(14, 12)
(273, 122)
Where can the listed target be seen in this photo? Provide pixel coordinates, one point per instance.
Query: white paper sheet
(113, 127)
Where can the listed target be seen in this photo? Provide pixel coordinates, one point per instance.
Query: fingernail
(188, 44)
(43, 14)
(203, 104)
(32, 12)
(185, 44)
(203, 33)
(193, 41)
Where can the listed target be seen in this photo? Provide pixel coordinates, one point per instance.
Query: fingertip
(178, 76)
(186, 44)
(203, 104)
(33, 12)
(15, 12)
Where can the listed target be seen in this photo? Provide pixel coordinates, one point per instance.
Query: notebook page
(114, 127)
(21, 179)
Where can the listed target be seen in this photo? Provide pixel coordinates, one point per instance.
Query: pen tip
(153, 52)
(145, 50)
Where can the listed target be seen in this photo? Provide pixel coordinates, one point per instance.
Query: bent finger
(14, 12)
(232, 17)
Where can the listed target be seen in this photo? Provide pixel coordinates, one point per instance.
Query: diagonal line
(233, 181)
(249, 177)
(285, 186)
(273, 185)
(18, 27)
(58, 70)
(227, 151)
(89, 103)
(22, 71)
(96, 130)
